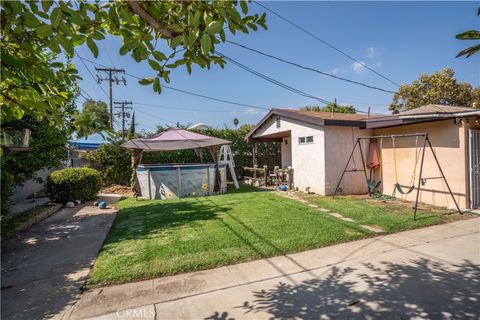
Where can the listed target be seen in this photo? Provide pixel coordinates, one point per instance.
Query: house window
(305, 140)
(278, 122)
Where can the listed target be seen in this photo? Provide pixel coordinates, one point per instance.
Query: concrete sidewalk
(44, 267)
(426, 273)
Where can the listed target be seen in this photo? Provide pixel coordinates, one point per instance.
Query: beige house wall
(339, 142)
(449, 142)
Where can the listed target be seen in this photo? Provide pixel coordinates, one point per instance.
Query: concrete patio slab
(44, 267)
(391, 276)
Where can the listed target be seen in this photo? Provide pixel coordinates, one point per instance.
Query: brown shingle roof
(435, 109)
(330, 115)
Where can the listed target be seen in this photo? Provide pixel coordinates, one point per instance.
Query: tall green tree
(93, 118)
(331, 107)
(470, 35)
(438, 88)
(131, 130)
(189, 32)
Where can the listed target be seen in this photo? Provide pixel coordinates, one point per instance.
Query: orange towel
(373, 158)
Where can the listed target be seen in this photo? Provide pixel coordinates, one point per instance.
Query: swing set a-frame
(419, 155)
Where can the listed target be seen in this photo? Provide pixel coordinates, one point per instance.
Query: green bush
(113, 162)
(73, 184)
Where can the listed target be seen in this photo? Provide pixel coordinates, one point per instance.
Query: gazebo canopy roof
(174, 139)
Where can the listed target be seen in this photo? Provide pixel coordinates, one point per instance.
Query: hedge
(73, 184)
(114, 163)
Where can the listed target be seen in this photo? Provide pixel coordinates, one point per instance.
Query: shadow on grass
(245, 188)
(143, 221)
(421, 288)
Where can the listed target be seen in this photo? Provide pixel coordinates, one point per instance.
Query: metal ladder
(226, 157)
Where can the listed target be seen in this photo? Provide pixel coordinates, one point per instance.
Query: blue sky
(400, 40)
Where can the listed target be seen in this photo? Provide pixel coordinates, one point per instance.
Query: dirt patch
(118, 189)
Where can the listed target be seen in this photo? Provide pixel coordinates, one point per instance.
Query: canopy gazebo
(168, 181)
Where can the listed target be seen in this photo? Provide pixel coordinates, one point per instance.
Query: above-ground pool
(171, 181)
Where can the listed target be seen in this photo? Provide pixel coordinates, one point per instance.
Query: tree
(331, 107)
(437, 88)
(131, 130)
(93, 118)
(48, 142)
(235, 122)
(30, 29)
(469, 35)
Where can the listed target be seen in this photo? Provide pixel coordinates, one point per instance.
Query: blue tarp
(92, 142)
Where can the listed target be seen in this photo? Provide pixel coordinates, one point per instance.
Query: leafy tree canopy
(331, 107)
(437, 88)
(93, 118)
(470, 35)
(187, 32)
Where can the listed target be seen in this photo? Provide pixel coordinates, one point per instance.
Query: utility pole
(111, 78)
(123, 113)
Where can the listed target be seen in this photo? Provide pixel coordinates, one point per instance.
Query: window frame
(304, 140)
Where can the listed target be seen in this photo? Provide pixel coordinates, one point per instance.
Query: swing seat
(399, 188)
(372, 185)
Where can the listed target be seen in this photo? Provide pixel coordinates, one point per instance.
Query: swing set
(419, 156)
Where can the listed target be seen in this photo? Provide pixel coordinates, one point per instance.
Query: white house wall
(307, 160)
(286, 152)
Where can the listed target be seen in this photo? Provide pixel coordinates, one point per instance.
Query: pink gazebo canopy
(174, 139)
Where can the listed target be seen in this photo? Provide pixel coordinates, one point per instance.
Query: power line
(276, 82)
(197, 94)
(110, 72)
(189, 92)
(307, 68)
(91, 74)
(325, 42)
(123, 113)
(185, 108)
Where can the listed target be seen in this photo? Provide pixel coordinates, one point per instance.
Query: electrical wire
(271, 80)
(209, 97)
(325, 42)
(188, 92)
(308, 68)
(91, 74)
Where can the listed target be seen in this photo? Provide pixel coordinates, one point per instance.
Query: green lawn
(164, 237)
(391, 216)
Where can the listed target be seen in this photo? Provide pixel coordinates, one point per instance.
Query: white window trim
(305, 140)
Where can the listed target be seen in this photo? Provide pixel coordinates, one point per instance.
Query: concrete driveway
(44, 267)
(430, 273)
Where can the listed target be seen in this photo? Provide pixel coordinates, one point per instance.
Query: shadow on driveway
(43, 268)
(422, 288)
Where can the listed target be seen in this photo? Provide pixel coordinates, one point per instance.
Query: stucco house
(317, 146)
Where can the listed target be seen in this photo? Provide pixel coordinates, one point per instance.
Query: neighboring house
(82, 145)
(199, 126)
(317, 146)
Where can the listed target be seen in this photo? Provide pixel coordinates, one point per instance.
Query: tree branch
(137, 8)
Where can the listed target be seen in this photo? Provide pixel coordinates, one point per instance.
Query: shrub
(113, 162)
(73, 184)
